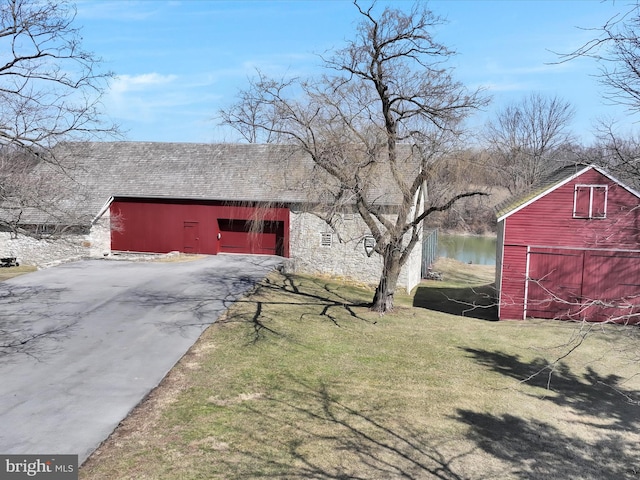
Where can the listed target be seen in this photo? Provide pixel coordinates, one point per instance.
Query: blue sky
(179, 62)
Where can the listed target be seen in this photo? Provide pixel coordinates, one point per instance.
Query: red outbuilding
(571, 250)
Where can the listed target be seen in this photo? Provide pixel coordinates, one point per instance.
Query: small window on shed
(327, 239)
(590, 201)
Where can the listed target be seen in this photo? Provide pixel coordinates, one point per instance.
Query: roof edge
(102, 211)
(549, 190)
(614, 179)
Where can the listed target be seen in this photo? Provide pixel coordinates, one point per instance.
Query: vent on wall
(326, 239)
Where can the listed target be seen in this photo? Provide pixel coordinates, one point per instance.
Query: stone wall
(316, 248)
(100, 237)
(43, 252)
(51, 250)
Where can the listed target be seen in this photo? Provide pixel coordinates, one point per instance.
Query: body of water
(468, 249)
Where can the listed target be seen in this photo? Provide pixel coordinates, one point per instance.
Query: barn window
(590, 201)
(326, 239)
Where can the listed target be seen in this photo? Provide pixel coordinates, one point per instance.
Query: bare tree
(49, 86)
(617, 152)
(526, 139)
(255, 121)
(50, 90)
(38, 196)
(377, 125)
(616, 48)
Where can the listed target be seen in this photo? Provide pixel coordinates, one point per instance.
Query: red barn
(148, 197)
(571, 250)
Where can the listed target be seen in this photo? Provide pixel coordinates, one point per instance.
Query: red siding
(161, 226)
(549, 221)
(512, 290)
(581, 259)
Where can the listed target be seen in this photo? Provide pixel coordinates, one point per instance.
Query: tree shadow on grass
(596, 396)
(255, 291)
(314, 297)
(537, 449)
(332, 440)
(473, 302)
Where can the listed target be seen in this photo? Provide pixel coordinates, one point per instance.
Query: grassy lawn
(10, 272)
(301, 381)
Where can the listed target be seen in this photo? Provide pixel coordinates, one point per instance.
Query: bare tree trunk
(383, 298)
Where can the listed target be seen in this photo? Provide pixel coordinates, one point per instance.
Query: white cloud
(167, 107)
(131, 83)
(141, 97)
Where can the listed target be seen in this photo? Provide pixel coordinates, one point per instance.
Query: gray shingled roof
(98, 171)
(187, 170)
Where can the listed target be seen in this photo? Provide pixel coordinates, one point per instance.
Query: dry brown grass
(301, 381)
(178, 257)
(10, 272)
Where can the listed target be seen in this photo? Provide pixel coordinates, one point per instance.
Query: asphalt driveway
(81, 344)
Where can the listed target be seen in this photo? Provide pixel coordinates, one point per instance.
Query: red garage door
(590, 284)
(611, 288)
(241, 236)
(554, 285)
